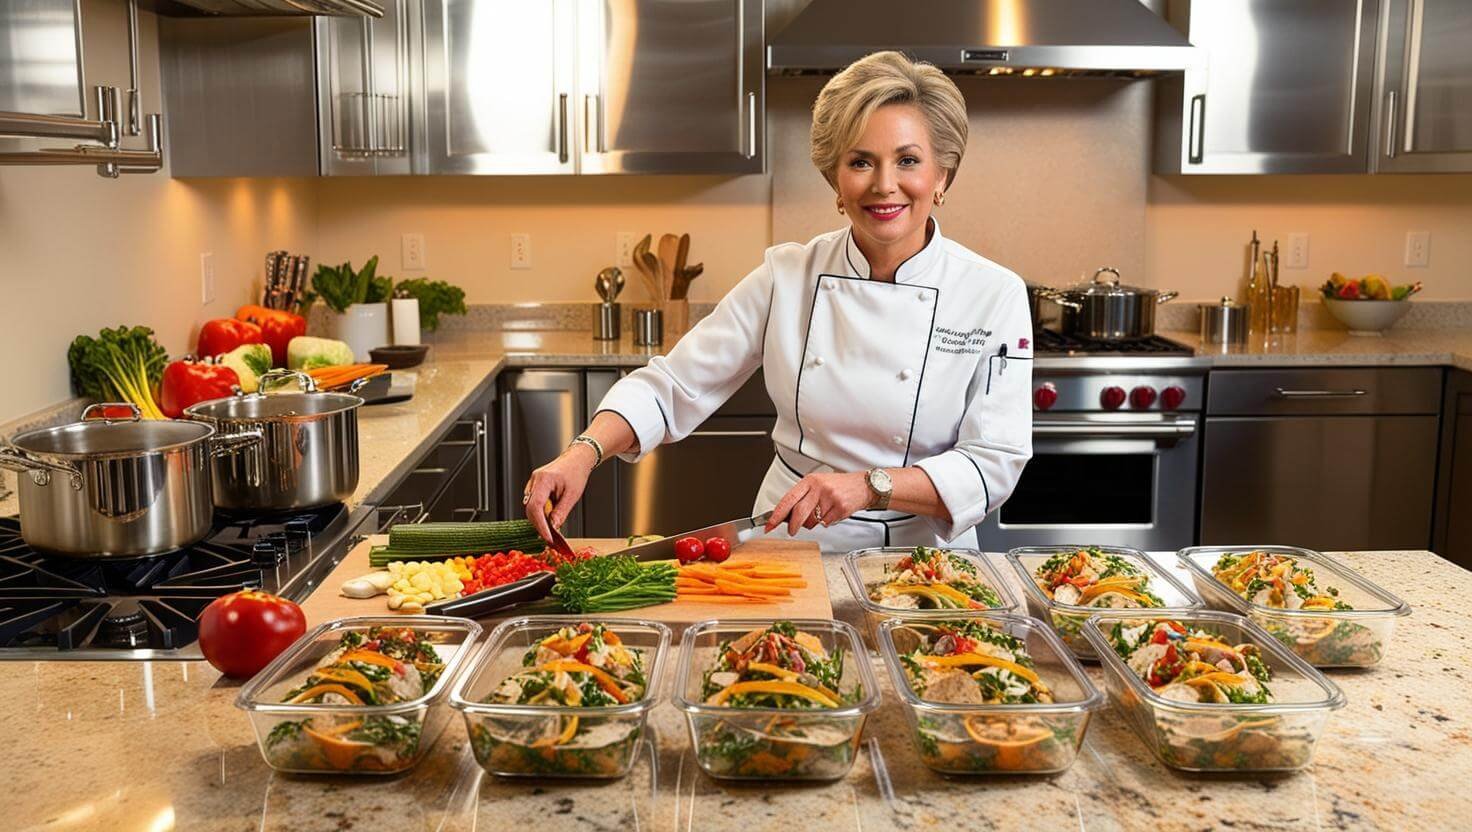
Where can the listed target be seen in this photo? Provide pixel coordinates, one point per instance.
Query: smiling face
(887, 183)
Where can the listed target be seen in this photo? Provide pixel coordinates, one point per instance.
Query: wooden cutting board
(810, 602)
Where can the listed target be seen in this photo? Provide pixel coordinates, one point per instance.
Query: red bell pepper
(222, 335)
(278, 327)
(187, 383)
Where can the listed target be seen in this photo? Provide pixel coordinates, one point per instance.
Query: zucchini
(430, 541)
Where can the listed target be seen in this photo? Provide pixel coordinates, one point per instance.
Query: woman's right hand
(562, 481)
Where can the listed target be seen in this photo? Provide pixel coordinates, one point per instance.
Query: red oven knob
(1111, 398)
(1172, 397)
(1142, 397)
(1045, 397)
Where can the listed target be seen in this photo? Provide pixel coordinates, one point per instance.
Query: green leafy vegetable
(119, 365)
(340, 286)
(613, 583)
(436, 298)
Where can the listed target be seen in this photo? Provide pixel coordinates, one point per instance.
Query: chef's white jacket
(933, 370)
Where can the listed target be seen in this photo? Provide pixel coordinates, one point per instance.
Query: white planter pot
(363, 326)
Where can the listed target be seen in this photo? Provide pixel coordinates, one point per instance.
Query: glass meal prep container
(1354, 637)
(1030, 738)
(1068, 619)
(765, 743)
(864, 567)
(1225, 737)
(521, 740)
(346, 738)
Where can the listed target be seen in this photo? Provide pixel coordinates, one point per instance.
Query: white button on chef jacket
(960, 345)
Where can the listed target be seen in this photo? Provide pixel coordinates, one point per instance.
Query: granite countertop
(159, 745)
(1326, 347)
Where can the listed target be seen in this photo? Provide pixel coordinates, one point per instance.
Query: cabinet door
(541, 411)
(709, 477)
(1426, 88)
(363, 98)
(498, 78)
(1286, 87)
(1452, 531)
(670, 86)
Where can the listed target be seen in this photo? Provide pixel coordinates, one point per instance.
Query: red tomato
(688, 549)
(717, 549)
(241, 633)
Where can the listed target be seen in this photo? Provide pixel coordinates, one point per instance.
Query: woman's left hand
(820, 498)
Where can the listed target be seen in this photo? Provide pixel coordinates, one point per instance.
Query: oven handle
(1156, 430)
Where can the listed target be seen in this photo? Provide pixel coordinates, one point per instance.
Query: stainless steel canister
(648, 327)
(1223, 322)
(606, 321)
(308, 455)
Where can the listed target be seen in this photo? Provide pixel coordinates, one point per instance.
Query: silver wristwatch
(881, 486)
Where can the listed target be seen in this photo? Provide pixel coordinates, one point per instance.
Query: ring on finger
(818, 514)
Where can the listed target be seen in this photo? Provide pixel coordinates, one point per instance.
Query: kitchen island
(153, 746)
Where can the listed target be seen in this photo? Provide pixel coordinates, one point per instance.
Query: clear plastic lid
(1368, 599)
(1025, 559)
(862, 565)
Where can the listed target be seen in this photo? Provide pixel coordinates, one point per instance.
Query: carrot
(737, 589)
(722, 599)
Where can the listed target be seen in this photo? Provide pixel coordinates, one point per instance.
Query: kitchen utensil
(1224, 322)
(1109, 310)
(483, 603)
(117, 488)
(679, 284)
(648, 266)
(308, 454)
(609, 282)
(683, 276)
(399, 356)
(1037, 294)
(269, 286)
(669, 252)
(648, 327)
(735, 532)
(606, 321)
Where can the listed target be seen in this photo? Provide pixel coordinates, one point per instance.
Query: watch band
(592, 443)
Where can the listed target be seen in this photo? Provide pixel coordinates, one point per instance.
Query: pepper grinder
(608, 283)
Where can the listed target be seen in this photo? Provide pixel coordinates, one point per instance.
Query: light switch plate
(1297, 256)
(1418, 249)
(521, 251)
(624, 255)
(411, 254)
(207, 277)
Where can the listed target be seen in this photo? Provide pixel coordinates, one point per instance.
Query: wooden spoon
(641, 257)
(669, 252)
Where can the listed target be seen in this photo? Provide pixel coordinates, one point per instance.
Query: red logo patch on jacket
(1022, 343)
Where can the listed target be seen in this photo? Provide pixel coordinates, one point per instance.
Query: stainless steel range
(1115, 448)
(145, 608)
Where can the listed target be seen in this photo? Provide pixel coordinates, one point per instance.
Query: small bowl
(399, 356)
(1367, 317)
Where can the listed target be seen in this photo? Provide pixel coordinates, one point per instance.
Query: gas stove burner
(1050, 342)
(124, 625)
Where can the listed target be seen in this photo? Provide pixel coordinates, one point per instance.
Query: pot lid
(112, 438)
(1224, 303)
(1106, 284)
(274, 406)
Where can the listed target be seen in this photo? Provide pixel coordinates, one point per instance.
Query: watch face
(880, 481)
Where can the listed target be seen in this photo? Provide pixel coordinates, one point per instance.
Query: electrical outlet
(624, 256)
(521, 251)
(207, 277)
(411, 254)
(1418, 249)
(1297, 251)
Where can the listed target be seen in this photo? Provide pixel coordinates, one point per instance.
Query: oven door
(1118, 479)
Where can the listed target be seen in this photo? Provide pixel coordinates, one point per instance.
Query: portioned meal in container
(1279, 581)
(1090, 577)
(585, 665)
(932, 579)
(382, 666)
(1191, 665)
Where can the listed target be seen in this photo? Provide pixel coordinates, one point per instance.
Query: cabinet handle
(562, 128)
(593, 124)
(750, 125)
(1318, 394)
(1390, 124)
(1196, 136)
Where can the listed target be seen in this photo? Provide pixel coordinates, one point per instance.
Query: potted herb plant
(434, 297)
(360, 300)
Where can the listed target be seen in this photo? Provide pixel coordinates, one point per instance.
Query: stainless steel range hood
(275, 8)
(1029, 38)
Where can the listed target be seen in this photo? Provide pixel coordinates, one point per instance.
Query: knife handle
(496, 598)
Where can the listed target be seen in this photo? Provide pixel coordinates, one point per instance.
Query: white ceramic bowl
(1367, 317)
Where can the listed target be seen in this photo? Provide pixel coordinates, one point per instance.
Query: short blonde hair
(846, 102)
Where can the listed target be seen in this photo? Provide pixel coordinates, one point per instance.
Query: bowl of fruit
(1369, 305)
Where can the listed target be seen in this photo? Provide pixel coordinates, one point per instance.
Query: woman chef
(900, 362)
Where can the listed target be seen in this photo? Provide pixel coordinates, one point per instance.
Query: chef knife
(483, 603)
(734, 532)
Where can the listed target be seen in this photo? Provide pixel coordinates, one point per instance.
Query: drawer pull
(1318, 394)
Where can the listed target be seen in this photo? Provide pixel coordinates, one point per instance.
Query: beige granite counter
(1328, 347)
(155, 746)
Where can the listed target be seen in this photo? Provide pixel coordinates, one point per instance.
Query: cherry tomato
(688, 549)
(717, 549)
(242, 632)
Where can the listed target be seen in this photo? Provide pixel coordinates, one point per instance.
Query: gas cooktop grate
(1053, 343)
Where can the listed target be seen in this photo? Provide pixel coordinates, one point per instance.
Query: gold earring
(940, 198)
(840, 208)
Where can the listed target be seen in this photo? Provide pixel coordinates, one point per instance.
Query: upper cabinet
(1425, 93)
(478, 87)
(1287, 87)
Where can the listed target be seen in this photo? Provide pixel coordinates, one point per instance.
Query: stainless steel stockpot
(1037, 294)
(1110, 311)
(1223, 323)
(110, 488)
(308, 454)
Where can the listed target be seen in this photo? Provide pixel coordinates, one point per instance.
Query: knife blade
(734, 532)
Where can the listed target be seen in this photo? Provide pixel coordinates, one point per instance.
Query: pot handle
(1165, 296)
(1058, 297)
(40, 470)
(1107, 270)
(304, 382)
(229, 444)
(101, 411)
